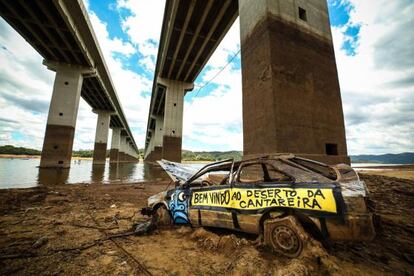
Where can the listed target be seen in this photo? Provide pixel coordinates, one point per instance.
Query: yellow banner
(255, 199)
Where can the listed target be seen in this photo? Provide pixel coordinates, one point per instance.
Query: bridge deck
(61, 32)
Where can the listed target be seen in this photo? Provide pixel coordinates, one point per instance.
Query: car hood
(178, 172)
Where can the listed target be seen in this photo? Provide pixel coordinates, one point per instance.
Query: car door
(255, 176)
(210, 206)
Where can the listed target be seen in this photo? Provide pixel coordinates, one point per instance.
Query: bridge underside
(191, 32)
(61, 33)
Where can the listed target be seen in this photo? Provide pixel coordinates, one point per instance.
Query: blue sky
(372, 47)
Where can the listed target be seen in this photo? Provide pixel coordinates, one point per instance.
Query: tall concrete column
(154, 151)
(127, 150)
(115, 142)
(101, 136)
(63, 111)
(121, 154)
(158, 138)
(291, 94)
(173, 118)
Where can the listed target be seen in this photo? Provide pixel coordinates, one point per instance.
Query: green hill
(210, 155)
(9, 149)
(399, 158)
(187, 155)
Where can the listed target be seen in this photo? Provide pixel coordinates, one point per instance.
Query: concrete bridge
(291, 94)
(61, 32)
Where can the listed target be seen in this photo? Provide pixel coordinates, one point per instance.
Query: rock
(113, 206)
(40, 242)
(111, 253)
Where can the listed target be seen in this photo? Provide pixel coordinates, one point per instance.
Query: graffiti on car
(179, 206)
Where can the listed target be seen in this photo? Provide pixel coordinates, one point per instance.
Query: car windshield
(218, 168)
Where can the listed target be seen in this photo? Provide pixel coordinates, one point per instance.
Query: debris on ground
(80, 236)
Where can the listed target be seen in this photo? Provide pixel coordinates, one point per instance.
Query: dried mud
(69, 230)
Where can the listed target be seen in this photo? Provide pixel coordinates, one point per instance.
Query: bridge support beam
(63, 112)
(291, 94)
(121, 153)
(115, 141)
(101, 137)
(155, 145)
(173, 118)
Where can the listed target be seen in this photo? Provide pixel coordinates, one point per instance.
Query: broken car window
(274, 175)
(211, 179)
(325, 170)
(262, 173)
(252, 174)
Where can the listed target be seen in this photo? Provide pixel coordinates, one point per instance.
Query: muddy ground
(69, 230)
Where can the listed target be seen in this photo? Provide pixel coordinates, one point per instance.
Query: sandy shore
(66, 230)
(401, 171)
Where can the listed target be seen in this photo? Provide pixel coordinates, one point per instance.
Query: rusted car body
(279, 197)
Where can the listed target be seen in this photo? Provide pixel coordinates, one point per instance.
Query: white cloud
(377, 82)
(214, 121)
(143, 27)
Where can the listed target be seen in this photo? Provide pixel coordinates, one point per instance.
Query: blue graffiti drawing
(179, 206)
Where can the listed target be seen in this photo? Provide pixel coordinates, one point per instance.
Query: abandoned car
(278, 197)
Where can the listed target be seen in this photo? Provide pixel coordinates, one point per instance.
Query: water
(366, 165)
(24, 173)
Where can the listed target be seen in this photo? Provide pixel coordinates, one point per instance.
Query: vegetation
(210, 155)
(9, 149)
(401, 158)
(82, 153)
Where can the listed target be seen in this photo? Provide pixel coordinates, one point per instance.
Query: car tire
(161, 217)
(285, 236)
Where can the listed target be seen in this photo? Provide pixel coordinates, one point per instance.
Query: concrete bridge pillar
(128, 150)
(115, 141)
(158, 138)
(173, 118)
(154, 151)
(101, 136)
(63, 112)
(291, 94)
(121, 153)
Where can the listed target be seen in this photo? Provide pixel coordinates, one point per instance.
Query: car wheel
(162, 217)
(285, 236)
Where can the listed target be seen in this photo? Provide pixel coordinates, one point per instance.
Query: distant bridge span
(291, 94)
(191, 31)
(61, 32)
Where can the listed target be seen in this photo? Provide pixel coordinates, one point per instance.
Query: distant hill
(9, 149)
(187, 155)
(210, 155)
(400, 158)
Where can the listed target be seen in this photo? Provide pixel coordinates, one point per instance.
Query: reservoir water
(24, 173)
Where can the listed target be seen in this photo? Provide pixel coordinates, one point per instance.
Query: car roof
(299, 168)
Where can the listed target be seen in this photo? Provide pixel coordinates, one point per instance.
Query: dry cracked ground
(72, 230)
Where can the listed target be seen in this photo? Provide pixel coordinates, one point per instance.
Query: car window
(211, 179)
(251, 174)
(316, 167)
(275, 175)
(261, 173)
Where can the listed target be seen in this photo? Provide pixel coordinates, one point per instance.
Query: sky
(373, 41)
